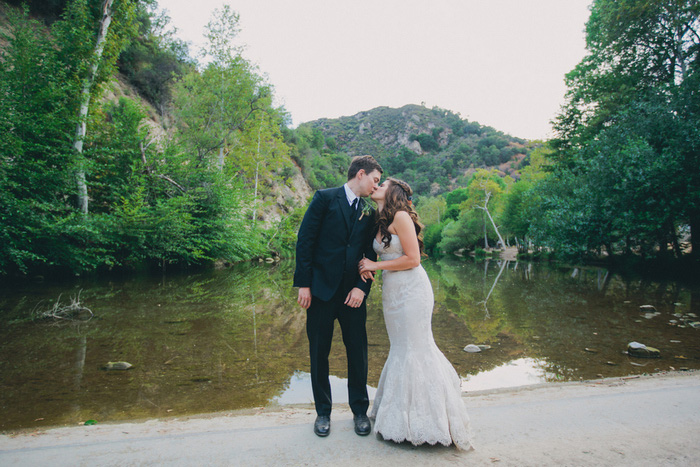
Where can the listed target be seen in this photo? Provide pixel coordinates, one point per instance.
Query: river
(235, 338)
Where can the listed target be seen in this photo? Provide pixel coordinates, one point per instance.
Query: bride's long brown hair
(398, 198)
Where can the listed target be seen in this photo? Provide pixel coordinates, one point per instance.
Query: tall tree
(89, 48)
(634, 47)
(214, 105)
(88, 82)
(260, 152)
(633, 100)
(35, 115)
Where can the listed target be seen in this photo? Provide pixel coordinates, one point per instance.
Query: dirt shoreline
(637, 420)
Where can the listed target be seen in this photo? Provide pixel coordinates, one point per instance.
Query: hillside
(433, 149)
(117, 155)
(136, 78)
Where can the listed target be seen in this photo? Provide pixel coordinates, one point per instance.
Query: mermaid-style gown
(419, 397)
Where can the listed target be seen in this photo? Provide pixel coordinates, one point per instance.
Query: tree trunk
(486, 209)
(695, 234)
(486, 236)
(257, 171)
(609, 250)
(80, 130)
(221, 159)
(500, 239)
(676, 246)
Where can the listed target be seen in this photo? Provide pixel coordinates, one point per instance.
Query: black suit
(331, 242)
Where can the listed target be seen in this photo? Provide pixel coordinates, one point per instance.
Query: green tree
(212, 107)
(89, 42)
(156, 58)
(487, 187)
(154, 200)
(524, 198)
(431, 210)
(632, 100)
(36, 112)
(261, 152)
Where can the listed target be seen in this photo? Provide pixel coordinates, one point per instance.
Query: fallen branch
(70, 312)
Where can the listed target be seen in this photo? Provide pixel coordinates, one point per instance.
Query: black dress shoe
(362, 425)
(322, 425)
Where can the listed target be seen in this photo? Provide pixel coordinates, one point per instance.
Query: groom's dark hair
(368, 163)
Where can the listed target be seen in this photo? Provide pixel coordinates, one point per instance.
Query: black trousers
(320, 321)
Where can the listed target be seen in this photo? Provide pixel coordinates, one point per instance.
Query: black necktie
(353, 212)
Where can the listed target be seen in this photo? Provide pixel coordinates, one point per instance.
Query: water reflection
(298, 390)
(236, 338)
(518, 372)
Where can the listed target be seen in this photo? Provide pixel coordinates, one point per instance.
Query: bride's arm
(409, 242)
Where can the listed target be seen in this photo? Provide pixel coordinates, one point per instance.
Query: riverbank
(647, 420)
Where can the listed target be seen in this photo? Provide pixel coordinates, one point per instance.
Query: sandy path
(647, 421)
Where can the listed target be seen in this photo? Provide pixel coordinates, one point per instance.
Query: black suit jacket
(330, 245)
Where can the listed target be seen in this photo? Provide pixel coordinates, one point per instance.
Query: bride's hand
(367, 265)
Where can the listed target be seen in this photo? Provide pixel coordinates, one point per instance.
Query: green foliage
(283, 237)
(321, 166)
(154, 59)
(625, 176)
(427, 142)
(623, 191)
(213, 106)
(518, 210)
(456, 197)
(432, 235)
(431, 210)
(49, 10)
(465, 233)
(35, 157)
(178, 200)
(76, 35)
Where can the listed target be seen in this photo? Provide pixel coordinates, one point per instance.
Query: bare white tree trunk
(486, 236)
(485, 207)
(80, 130)
(221, 159)
(257, 171)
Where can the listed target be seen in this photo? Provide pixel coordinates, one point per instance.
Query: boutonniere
(366, 210)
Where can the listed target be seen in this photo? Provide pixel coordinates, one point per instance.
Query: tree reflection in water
(503, 264)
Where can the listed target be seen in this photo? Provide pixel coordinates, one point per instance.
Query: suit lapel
(345, 208)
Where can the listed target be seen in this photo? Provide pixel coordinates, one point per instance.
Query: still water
(235, 338)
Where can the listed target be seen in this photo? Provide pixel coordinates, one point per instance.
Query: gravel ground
(635, 421)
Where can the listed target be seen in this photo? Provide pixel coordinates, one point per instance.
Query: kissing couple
(341, 244)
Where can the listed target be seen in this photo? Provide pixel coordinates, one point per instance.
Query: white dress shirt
(351, 196)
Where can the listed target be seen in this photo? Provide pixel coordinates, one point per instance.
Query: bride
(419, 397)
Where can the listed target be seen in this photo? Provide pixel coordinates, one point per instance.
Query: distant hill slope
(433, 149)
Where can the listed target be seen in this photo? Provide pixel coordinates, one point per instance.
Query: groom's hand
(355, 298)
(304, 298)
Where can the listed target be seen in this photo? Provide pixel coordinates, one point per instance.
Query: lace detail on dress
(419, 397)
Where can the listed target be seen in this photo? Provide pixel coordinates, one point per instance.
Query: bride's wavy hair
(398, 198)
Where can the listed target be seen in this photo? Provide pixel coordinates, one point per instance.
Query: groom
(336, 232)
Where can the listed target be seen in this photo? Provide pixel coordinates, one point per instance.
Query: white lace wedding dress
(419, 397)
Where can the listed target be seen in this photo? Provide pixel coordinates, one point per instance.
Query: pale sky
(498, 62)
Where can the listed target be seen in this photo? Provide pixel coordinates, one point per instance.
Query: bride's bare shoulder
(401, 221)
